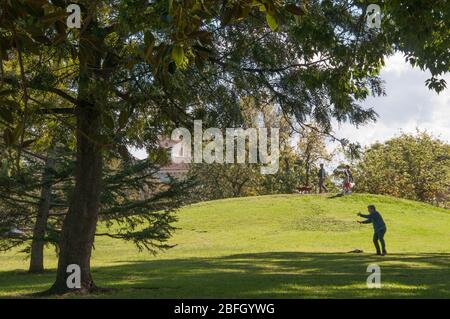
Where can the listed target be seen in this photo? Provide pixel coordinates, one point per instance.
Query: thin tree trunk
(307, 175)
(37, 245)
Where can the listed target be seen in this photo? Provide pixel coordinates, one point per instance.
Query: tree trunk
(79, 226)
(37, 245)
(78, 231)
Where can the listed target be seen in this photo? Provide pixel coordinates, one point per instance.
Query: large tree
(312, 151)
(409, 166)
(138, 68)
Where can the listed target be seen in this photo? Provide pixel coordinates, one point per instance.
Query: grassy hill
(282, 246)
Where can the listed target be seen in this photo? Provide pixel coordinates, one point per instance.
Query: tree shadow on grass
(337, 195)
(266, 275)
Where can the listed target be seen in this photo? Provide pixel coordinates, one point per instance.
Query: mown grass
(283, 246)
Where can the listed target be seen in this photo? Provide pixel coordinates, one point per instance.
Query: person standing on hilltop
(322, 176)
(348, 180)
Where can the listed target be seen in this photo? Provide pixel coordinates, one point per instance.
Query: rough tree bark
(78, 230)
(37, 244)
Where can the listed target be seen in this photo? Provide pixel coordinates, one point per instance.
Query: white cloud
(396, 64)
(139, 153)
(409, 105)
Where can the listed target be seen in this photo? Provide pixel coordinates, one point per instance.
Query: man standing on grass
(379, 228)
(322, 179)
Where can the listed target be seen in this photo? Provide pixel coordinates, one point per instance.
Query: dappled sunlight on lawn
(276, 275)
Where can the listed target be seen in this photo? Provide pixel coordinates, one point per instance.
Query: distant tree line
(412, 166)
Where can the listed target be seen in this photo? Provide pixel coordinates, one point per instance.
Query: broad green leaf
(226, 16)
(4, 170)
(170, 6)
(17, 132)
(149, 41)
(178, 56)
(272, 22)
(292, 8)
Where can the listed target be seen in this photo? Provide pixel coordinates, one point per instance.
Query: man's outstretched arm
(368, 219)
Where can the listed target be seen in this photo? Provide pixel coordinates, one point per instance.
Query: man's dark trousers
(379, 236)
(322, 186)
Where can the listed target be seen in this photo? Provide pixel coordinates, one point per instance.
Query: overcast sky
(408, 105)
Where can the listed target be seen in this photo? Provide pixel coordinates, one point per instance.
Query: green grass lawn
(283, 246)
